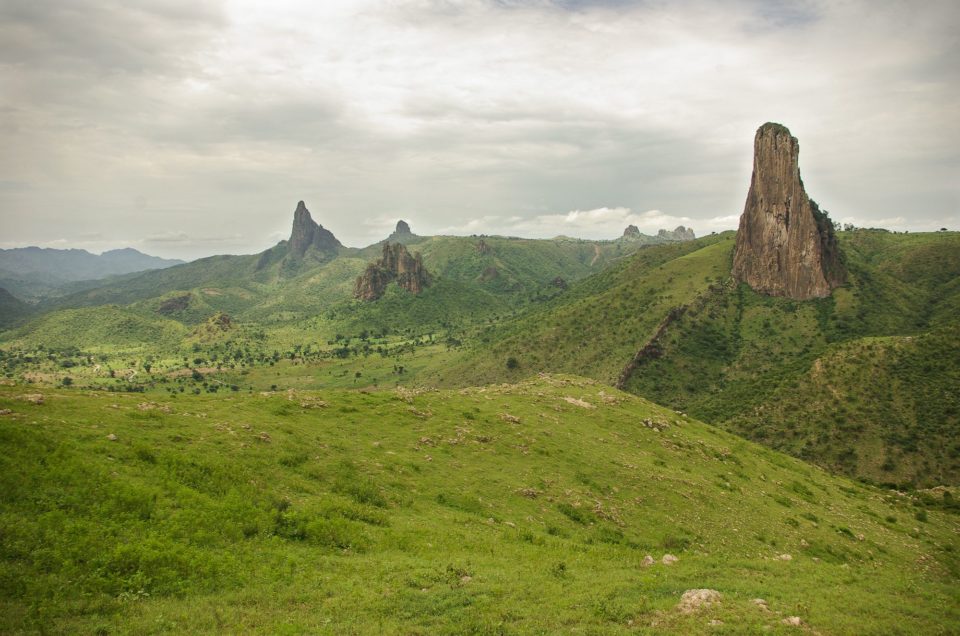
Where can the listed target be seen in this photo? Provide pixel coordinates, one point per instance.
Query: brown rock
(396, 264)
(631, 231)
(785, 245)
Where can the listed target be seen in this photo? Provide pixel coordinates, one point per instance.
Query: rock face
(307, 233)
(679, 234)
(785, 245)
(396, 264)
(631, 231)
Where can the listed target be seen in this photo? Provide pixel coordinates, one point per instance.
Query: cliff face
(307, 233)
(396, 264)
(785, 245)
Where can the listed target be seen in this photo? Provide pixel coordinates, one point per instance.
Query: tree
(512, 363)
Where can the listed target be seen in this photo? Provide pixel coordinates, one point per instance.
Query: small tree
(512, 363)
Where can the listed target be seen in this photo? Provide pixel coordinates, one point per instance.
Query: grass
(504, 509)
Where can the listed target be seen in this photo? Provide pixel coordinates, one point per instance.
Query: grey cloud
(450, 112)
(105, 35)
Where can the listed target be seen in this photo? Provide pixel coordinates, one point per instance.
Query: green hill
(596, 327)
(699, 342)
(99, 329)
(504, 509)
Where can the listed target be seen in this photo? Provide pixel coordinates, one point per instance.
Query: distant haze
(185, 127)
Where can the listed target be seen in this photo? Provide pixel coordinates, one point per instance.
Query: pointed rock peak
(306, 233)
(632, 231)
(785, 245)
(402, 228)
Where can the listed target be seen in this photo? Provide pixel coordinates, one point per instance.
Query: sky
(185, 128)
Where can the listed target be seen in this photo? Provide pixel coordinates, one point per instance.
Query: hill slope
(526, 508)
(671, 325)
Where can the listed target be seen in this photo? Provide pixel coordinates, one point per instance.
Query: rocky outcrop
(679, 234)
(395, 265)
(307, 234)
(632, 233)
(175, 304)
(785, 245)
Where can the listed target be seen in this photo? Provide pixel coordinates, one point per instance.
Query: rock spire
(785, 245)
(307, 233)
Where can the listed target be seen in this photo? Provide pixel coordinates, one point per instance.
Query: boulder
(695, 600)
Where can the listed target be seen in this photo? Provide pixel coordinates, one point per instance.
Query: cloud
(597, 224)
(462, 114)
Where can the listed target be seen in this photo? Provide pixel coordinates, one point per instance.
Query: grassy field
(524, 508)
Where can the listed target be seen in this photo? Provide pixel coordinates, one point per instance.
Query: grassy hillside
(99, 330)
(749, 362)
(595, 328)
(887, 408)
(506, 509)
(272, 286)
(860, 382)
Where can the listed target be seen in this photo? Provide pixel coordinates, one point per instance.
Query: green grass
(504, 509)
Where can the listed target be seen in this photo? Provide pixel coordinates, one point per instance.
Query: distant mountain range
(30, 273)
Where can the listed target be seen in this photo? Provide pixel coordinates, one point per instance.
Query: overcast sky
(186, 127)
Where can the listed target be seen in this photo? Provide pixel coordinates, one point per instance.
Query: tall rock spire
(307, 233)
(785, 245)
